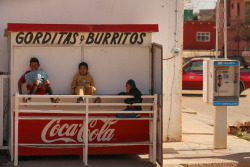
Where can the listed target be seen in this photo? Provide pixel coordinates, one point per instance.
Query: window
(232, 5)
(203, 36)
(238, 9)
(196, 66)
(247, 13)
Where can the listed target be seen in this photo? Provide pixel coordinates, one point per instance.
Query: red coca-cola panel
(57, 131)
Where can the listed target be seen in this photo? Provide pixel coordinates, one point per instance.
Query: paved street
(192, 103)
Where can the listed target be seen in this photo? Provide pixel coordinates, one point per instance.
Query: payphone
(221, 87)
(221, 82)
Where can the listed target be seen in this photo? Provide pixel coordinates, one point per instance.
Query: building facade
(199, 35)
(238, 19)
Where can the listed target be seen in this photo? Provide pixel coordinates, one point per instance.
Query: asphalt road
(192, 103)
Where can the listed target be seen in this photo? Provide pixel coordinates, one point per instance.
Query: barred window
(203, 36)
(238, 9)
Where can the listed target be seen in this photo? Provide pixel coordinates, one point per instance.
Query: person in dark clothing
(131, 89)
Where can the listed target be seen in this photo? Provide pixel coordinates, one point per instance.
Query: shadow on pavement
(76, 160)
(198, 133)
(192, 95)
(237, 159)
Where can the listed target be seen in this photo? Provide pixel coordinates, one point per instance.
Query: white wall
(160, 12)
(111, 67)
(60, 63)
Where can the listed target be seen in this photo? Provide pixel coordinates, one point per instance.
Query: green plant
(240, 132)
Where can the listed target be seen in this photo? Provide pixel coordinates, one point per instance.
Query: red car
(192, 76)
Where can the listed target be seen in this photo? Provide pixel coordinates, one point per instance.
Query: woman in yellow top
(83, 83)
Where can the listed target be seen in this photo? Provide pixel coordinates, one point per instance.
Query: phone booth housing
(221, 82)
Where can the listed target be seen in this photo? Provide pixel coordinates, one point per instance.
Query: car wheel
(241, 88)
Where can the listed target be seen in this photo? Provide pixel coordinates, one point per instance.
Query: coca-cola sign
(65, 131)
(56, 131)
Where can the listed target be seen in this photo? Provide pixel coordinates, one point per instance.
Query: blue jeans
(32, 76)
(128, 115)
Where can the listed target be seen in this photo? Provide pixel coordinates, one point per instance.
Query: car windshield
(196, 66)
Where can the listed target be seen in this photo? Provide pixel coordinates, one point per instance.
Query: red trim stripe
(16, 27)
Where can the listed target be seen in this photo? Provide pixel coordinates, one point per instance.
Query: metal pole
(16, 130)
(225, 29)
(151, 137)
(1, 108)
(217, 27)
(176, 23)
(220, 127)
(86, 132)
(154, 128)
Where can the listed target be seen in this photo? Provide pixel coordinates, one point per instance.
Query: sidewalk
(197, 148)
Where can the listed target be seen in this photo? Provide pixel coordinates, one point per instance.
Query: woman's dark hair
(34, 60)
(131, 83)
(83, 64)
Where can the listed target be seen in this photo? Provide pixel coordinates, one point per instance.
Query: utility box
(221, 82)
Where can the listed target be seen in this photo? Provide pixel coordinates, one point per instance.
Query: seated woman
(131, 89)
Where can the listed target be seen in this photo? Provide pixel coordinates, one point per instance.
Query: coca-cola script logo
(54, 131)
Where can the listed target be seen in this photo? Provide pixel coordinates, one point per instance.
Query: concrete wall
(160, 12)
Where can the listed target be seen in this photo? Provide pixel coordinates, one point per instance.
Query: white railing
(152, 119)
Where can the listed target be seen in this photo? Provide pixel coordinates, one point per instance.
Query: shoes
(138, 116)
(56, 100)
(98, 100)
(26, 101)
(130, 115)
(79, 100)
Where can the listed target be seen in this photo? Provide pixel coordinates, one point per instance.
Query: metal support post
(16, 131)
(220, 127)
(1, 109)
(86, 132)
(225, 29)
(217, 28)
(151, 140)
(154, 128)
